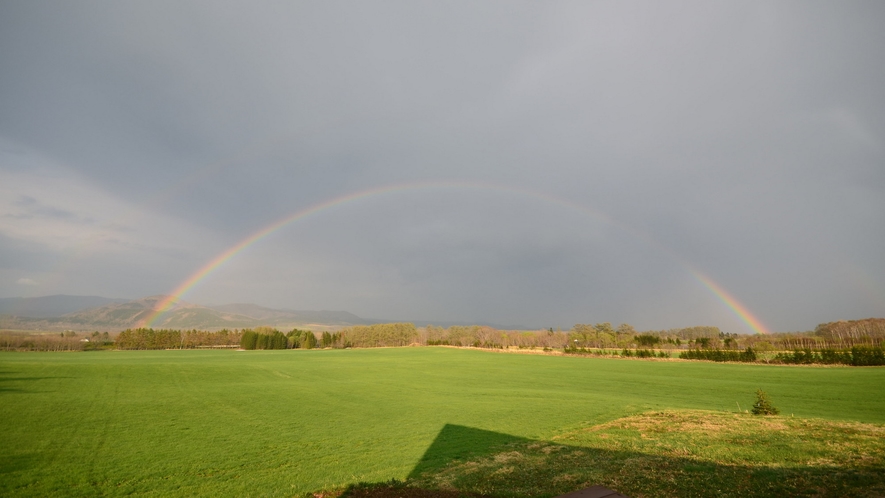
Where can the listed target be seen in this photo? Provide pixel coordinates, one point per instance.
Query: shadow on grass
(459, 443)
(475, 463)
(15, 463)
(453, 444)
(6, 376)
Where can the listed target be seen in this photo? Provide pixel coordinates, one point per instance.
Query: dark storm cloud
(743, 140)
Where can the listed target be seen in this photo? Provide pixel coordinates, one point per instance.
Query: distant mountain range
(63, 312)
(51, 306)
(320, 317)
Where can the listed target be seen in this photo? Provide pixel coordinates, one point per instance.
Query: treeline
(857, 356)
(623, 353)
(369, 336)
(853, 342)
(405, 334)
(63, 341)
(746, 356)
(268, 338)
(145, 338)
(488, 337)
(203, 339)
(377, 335)
(258, 340)
(686, 334)
(846, 334)
(842, 335)
(604, 335)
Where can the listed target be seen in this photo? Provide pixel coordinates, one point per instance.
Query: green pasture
(282, 423)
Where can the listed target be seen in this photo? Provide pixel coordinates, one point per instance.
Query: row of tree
(404, 334)
(842, 335)
(368, 336)
(63, 341)
(846, 334)
(489, 337)
(745, 356)
(604, 335)
(258, 340)
(377, 335)
(268, 338)
(624, 353)
(145, 338)
(858, 356)
(834, 336)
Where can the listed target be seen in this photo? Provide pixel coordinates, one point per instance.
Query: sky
(535, 164)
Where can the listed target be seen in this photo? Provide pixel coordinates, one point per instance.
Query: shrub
(763, 406)
(647, 339)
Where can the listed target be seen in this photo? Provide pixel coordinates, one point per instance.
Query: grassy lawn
(676, 453)
(282, 423)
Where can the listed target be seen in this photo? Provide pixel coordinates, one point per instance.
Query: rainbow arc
(203, 272)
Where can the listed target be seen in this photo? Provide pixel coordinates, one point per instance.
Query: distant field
(278, 423)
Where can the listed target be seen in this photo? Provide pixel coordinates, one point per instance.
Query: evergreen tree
(278, 340)
(261, 342)
(308, 340)
(248, 339)
(763, 406)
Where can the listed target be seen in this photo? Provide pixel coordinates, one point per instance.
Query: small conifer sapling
(763, 406)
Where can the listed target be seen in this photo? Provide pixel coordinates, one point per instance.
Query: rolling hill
(294, 316)
(115, 315)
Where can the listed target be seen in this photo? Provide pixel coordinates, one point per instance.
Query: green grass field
(283, 423)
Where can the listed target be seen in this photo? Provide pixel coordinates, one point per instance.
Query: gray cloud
(741, 140)
(32, 207)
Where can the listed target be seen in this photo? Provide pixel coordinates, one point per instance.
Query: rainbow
(733, 304)
(169, 300)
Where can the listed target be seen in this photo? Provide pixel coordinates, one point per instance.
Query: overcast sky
(568, 162)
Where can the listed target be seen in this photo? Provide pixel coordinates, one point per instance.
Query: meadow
(289, 422)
